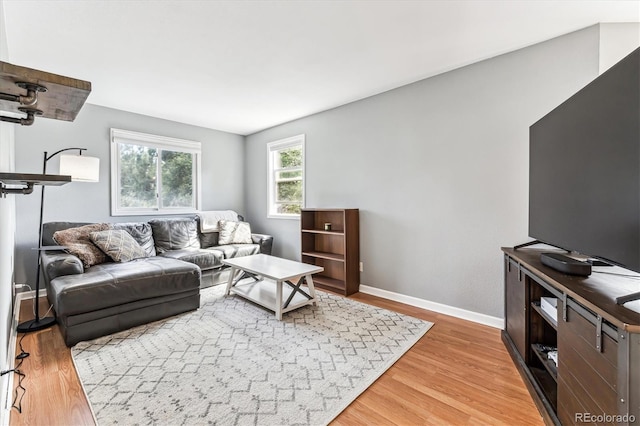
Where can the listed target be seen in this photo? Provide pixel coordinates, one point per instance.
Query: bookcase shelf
(536, 307)
(320, 231)
(328, 283)
(549, 365)
(323, 255)
(331, 239)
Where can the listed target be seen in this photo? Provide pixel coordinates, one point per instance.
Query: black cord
(17, 401)
(20, 390)
(21, 375)
(17, 397)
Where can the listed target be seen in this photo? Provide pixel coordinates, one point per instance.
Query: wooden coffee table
(267, 275)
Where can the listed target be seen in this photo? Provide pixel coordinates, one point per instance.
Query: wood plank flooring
(459, 373)
(54, 395)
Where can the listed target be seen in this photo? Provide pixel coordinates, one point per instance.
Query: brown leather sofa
(111, 296)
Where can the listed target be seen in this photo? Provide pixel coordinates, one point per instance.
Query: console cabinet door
(587, 375)
(516, 307)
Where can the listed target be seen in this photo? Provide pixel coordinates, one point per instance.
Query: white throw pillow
(234, 232)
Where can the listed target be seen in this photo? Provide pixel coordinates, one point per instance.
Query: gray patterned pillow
(118, 244)
(141, 232)
(234, 232)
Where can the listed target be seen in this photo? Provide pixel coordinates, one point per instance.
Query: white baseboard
(494, 322)
(5, 412)
(7, 384)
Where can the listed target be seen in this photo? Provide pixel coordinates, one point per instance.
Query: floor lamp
(82, 169)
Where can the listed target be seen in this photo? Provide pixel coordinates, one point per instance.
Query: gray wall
(617, 41)
(7, 233)
(222, 175)
(438, 169)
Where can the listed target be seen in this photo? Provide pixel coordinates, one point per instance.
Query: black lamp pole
(41, 323)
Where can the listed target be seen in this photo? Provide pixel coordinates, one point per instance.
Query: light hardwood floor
(458, 373)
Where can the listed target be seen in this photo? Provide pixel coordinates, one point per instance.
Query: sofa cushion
(210, 239)
(209, 221)
(118, 244)
(204, 258)
(142, 233)
(234, 232)
(175, 234)
(113, 284)
(77, 241)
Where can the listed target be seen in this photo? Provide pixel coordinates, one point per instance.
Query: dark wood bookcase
(597, 341)
(331, 239)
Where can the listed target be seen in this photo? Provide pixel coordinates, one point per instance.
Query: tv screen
(584, 169)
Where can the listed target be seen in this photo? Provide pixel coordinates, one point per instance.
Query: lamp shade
(81, 168)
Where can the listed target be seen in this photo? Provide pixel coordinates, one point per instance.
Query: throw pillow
(234, 232)
(142, 233)
(118, 244)
(77, 241)
(175, 234)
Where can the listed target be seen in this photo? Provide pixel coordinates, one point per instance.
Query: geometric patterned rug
(232, 363)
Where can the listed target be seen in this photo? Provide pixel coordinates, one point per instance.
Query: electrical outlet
(19, 288)
(361, 267)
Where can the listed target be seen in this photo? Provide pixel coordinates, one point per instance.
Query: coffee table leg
(279, 300)
(312, 289)
(230, 282)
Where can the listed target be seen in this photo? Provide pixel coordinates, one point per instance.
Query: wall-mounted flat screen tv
(584, 170)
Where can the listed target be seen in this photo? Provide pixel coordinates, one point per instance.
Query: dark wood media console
(597, 376)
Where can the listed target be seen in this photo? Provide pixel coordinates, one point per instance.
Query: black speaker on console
(566, 264)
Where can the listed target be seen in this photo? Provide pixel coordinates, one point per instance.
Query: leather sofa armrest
(57, 263)
(265, 242)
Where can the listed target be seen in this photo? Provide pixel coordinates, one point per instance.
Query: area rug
(232, 363)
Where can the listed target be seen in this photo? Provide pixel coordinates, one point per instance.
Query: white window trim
(154, 141)
(276, 146)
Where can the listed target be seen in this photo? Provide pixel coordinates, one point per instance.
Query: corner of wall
(4, 45)
(7, 232)
(7, 244)
(617, 40)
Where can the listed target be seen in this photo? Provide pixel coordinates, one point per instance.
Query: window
(153, 174)
(286, 177)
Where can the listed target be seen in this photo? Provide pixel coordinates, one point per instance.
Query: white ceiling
(243, 66)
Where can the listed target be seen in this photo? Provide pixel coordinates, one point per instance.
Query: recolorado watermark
(604, 418)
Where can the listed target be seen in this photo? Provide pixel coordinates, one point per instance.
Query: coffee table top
(272, 267)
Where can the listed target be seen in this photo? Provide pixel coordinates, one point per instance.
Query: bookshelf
(331, 239)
